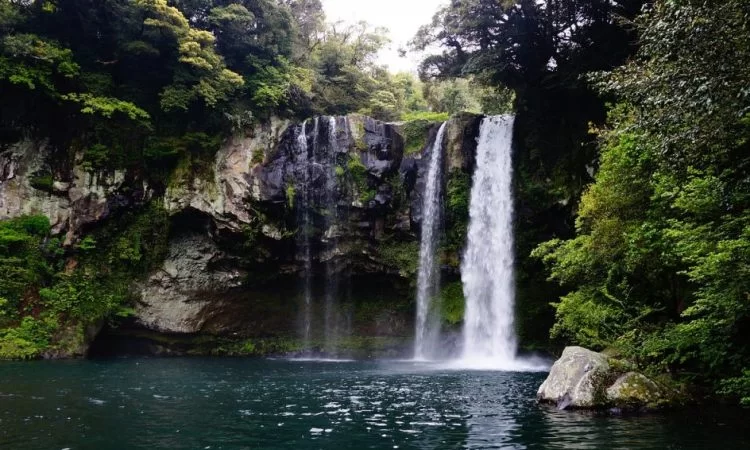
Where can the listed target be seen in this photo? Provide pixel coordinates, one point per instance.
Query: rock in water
(575, 379)
(583, 379)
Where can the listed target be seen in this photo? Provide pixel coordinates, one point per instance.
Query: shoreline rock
(584, 379)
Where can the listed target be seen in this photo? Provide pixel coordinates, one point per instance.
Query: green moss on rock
(403, 256)
(415, 135)
(453, 303)
(42, 181)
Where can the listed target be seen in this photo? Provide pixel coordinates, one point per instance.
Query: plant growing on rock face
(41, 308)
(42, 181)
(403, 256)
(360, 179)
(415, 134)
(458, 193)
(22, 262)
(291, 195)
(258, 157)
(28, 339)
(452, 303)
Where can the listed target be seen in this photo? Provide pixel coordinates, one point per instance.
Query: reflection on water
(237, 404)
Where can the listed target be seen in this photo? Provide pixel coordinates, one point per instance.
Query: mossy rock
(583, 379)
(416, 134)
(634, 390)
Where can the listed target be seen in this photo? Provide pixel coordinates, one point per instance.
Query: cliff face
(35, 181)
(288, 226)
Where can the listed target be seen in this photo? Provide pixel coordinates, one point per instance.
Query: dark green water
(255, 404)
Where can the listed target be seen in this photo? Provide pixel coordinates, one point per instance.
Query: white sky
(402, 17)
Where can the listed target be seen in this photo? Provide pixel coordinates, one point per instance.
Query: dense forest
(632, 154)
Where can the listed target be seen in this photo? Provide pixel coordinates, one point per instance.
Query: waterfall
(428, 279)
(331, 214)
(302, 197)
(487, 267)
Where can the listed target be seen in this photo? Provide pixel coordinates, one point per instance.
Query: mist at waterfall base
(488, 339)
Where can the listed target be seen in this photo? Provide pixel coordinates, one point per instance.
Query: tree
(659, 268)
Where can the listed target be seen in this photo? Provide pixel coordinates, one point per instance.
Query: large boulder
(575, 379)
(583, 379)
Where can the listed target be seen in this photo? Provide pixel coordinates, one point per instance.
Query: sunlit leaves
(211, 80)
(107, 106)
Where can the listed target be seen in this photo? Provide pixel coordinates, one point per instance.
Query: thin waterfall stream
(303, 237)
(331, 321)
(428, 278)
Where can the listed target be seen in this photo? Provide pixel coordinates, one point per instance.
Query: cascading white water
(487, 268)
(303, 240)
(331, 212)
(428, 278)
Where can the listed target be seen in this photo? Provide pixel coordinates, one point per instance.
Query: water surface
(267, 404)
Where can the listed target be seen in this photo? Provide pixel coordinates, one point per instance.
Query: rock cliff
(334, 202)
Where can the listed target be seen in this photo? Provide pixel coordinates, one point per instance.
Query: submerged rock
(583, 379)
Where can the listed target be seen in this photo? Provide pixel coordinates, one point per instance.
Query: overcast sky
(402, 17)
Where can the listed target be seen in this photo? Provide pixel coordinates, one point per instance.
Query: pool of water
(277, 404)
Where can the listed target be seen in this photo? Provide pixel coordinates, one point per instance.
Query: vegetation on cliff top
(141, 84)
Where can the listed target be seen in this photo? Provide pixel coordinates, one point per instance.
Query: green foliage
(690, 81)
(402, 256)
(22, 261)
(660, 266)
(346, 76)
(258, 157)
(358, 173)
(107, 106)
(452, 96)
(458, 193)
(213, 83)
(28, 340)
(452, 303)
(32, 62)
(40, 298)
(738, 387)
(415, 134)
(42, 181)
(291, 195)
(427, 116)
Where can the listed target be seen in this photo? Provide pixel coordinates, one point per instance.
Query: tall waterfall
(487, 267)
(428, 279)
(303, 238)
(330, 209)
